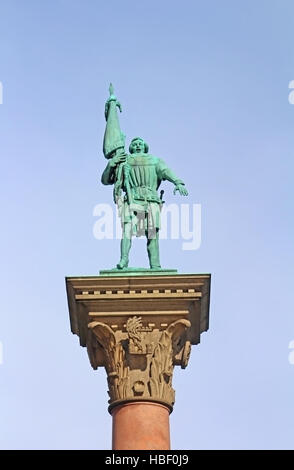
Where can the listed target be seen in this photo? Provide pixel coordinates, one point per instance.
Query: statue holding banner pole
(136, 178)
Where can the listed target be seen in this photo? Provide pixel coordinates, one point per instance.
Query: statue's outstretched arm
(165, 173)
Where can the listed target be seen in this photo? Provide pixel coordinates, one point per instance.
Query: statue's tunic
(141, 179)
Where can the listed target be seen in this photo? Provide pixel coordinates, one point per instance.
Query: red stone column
(139, 426)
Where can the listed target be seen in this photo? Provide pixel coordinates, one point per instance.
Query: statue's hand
(121, 158)
(182, 190)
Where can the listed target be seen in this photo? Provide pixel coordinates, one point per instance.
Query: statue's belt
(145, 193)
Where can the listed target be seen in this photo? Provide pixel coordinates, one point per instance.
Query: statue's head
(138, 145)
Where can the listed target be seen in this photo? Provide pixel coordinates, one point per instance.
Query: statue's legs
(125, 246)
(153, 249)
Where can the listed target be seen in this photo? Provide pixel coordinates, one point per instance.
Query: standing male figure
(139, 175)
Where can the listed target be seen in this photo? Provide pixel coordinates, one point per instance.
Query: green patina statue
(136, 178)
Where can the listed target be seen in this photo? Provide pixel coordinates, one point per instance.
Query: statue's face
(138, 146)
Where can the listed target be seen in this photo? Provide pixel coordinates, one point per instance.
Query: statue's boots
(125, 246)
(153, 252)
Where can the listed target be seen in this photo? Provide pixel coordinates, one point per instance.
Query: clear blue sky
(206, 84)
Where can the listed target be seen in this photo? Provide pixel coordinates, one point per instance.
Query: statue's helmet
(131, 147)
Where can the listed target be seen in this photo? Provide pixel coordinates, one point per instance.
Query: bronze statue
(136, 177)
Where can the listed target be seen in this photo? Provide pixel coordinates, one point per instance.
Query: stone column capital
(139, 328)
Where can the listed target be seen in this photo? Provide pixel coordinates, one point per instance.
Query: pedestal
(139, 327)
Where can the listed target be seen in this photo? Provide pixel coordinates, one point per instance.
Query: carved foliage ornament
(139, 360)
